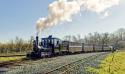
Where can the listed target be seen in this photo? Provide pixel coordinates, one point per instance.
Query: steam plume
(63, 10)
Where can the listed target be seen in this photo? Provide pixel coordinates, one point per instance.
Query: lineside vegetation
(112, 64)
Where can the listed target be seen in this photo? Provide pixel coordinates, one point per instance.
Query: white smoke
(63, 10)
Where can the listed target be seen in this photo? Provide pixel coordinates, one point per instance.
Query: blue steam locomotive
(45, 48)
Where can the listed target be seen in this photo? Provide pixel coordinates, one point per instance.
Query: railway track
(73, 66)
(58, 65)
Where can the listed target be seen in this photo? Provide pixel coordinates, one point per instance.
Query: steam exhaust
(63, 10)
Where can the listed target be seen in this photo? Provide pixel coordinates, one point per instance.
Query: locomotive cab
(50, 42)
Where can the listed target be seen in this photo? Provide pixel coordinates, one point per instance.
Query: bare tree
(67, 38)
(97, 38)
(120, 33)
(19, 43)
(78, 38)
(74, 39)
(105, 38)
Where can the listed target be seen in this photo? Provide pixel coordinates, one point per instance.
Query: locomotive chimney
(37, 40)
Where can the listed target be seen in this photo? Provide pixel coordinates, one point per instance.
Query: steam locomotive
(51, 46)
(47, 47)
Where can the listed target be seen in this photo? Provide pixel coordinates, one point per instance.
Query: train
(51, 46)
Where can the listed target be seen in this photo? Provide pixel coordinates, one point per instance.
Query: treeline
(115, 38)
(16, 45)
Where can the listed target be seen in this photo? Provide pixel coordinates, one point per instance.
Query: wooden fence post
(82, 47)
(93, 47)
(102, 47)
(68, 46)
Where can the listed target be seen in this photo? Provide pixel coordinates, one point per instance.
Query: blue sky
(18, 18)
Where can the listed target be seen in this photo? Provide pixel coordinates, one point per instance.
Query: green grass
(112, 64)
(12, 54)
(7, 59)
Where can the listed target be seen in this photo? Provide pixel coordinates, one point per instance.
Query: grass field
(112, 64)
(6, 57)
(12, 54)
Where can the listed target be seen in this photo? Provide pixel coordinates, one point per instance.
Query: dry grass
(6, 57)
